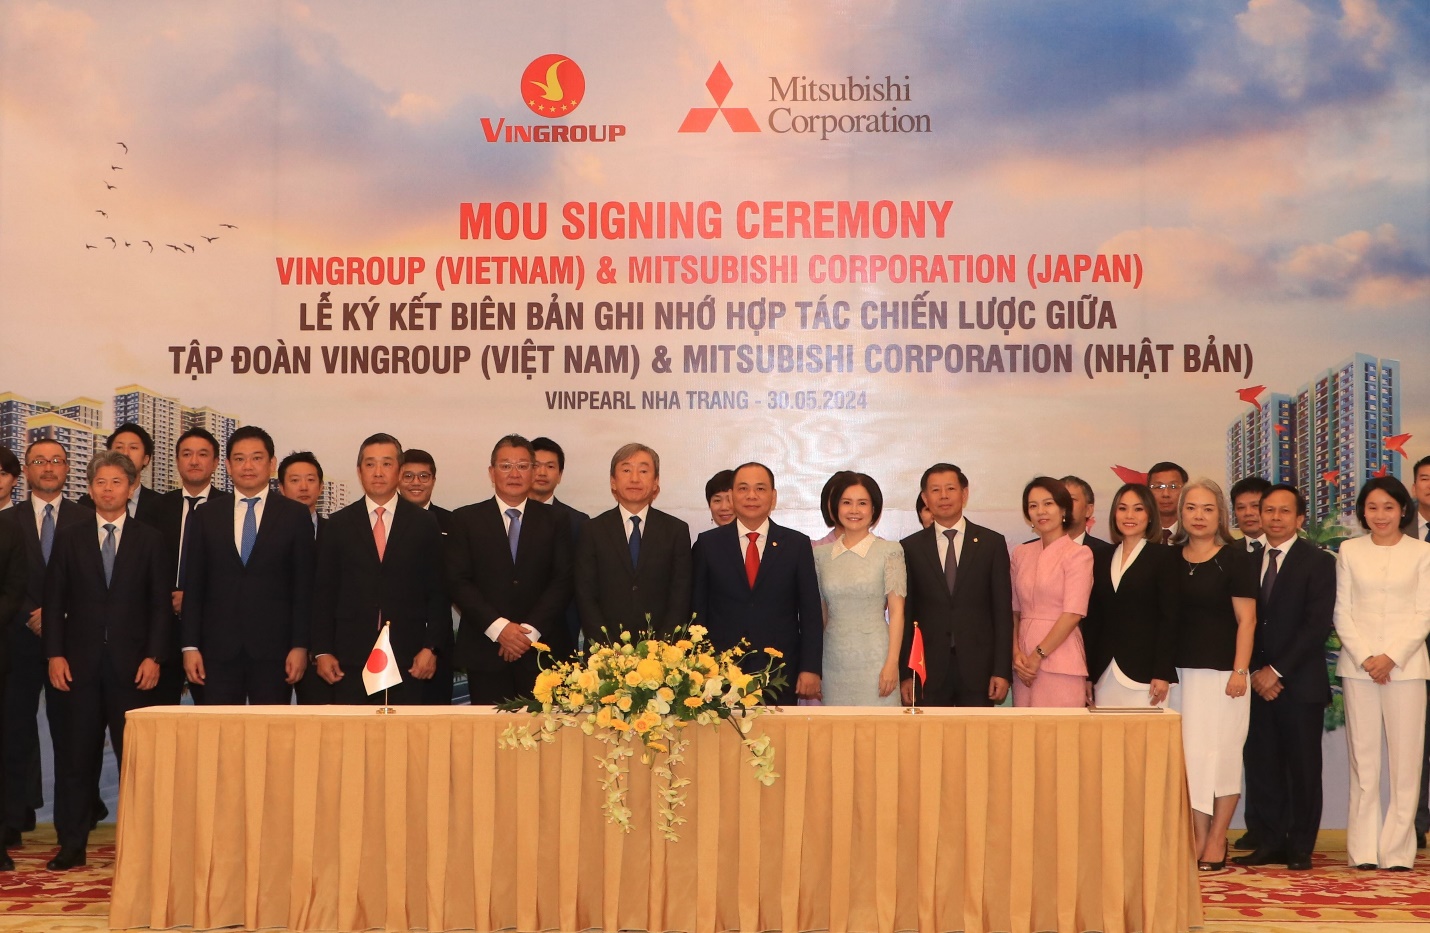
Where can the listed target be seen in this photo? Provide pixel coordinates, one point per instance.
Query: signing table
(340, 819)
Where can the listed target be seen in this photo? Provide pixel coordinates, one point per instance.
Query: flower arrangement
(644, 692)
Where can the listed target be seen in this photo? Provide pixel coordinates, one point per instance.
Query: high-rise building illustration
(334, 497)
(166, 418)
(1328, 437)
(80, 422)
(163, 418)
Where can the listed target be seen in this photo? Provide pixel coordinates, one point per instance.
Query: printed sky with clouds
(1267, 160)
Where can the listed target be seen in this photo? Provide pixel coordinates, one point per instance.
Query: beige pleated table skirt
(336, 818)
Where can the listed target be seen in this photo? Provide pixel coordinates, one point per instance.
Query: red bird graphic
(1250, 393)
(1397, 443)
(1379, 473)
(1279, 428)
(1129, 475)
(1331, 476)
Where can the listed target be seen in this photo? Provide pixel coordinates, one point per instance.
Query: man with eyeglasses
(1167, 480)
(38, 519)
(416, 484)
(379, 562)
(509, 571)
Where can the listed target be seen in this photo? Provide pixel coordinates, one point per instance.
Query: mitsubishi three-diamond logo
(740, 119)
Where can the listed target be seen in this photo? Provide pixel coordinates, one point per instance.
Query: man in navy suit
(379, 561)
(755, 580)
(300, 478)
(961, 596)
(416, 484)
(137, 444)
(12, 592)
(107, 613)
(248, 585)
(633, 562)
(1291, 688)
(509, 570)
(39, 518)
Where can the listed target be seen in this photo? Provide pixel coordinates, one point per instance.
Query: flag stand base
(913, 711)
(385, 710)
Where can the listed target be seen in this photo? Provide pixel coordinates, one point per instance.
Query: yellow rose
(633, 679)
(697, 678)
(693, 702)
(624, 704)
(666, 694)
(576, 699)
(603, 716)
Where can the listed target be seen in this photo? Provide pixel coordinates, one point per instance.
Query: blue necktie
(106, 553)
(47, 533)
(635, 540)
(513, 533)
(250, 531)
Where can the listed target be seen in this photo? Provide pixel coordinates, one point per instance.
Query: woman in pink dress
(1052, 579)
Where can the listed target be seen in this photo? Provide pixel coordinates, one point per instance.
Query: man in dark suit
(196, 457)
(755, 580)
(509, 570)
(1167, 480)
(416, 484)
(1245, 501)
(107, 613)
(961, 596)
(1083, 517)
(13, 564)
(548, 466)
(379, 561)
(633, 562)
(1290, 685)
(300, 478)
(248, 585)
(137, 444)
(38, 519)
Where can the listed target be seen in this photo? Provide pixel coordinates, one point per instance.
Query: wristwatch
(1242, 673)
(1041, 653)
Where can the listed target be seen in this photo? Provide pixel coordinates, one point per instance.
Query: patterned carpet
(1332, 897)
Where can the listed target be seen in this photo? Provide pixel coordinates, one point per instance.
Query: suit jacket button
(515, 582)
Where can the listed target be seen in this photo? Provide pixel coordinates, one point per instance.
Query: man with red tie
(379, 560)
(755, 580)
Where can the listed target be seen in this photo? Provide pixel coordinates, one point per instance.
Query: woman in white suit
(1382, 618)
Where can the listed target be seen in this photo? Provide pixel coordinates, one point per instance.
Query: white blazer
(1383, 606)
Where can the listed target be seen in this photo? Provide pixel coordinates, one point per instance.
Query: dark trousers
(514, 679)
(242, 679)
(1283, 773)
(438, 690)
(95, 702)
(313, 690)
(28, 680)
(1422, 812)
(951, 689)
(350, 691)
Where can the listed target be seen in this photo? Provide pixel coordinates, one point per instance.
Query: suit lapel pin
(774, 544)
(975, 540)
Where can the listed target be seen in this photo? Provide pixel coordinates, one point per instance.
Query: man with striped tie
(248, 584)
(107, 614)
(509, 572)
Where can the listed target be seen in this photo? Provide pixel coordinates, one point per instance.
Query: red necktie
(752, 559)
(379, 533)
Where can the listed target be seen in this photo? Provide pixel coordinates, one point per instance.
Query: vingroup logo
(553, 86)
(740, 119)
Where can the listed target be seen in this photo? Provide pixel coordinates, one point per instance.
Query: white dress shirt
(118, 524)
(744, 541)
(626, 517)
(494, 630)
(39, 505)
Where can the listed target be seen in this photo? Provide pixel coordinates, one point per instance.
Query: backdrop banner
(1021, 237)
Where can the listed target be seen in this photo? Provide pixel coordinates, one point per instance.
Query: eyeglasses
(520, 466)
(423, 477)
(1166, 486)
(52, 461)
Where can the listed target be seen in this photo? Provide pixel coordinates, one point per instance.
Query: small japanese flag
(380, 672)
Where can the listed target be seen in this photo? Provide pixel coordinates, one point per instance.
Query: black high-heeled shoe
(1211, 866)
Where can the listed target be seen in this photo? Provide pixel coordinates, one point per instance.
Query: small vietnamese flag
(916, 656)
(380, 672)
